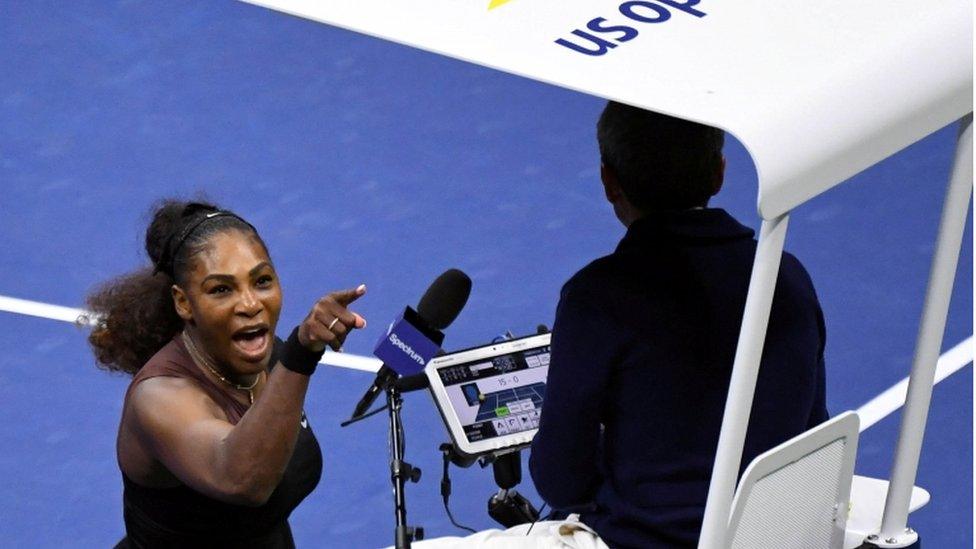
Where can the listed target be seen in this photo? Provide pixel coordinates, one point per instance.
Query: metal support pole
(400, 472)
(745, 368)
(929, 343)
(393, 403)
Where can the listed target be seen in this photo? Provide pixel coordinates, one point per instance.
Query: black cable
(364, 416)
(446, 492)
(451, 517)
(403, 439)
(541, 509)
(403, 434)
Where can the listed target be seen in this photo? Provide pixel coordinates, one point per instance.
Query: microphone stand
(400, 471)
(440, 304)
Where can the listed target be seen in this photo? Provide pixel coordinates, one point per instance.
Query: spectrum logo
(601, 35)
(403, 346)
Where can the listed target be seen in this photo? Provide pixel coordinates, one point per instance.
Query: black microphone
(437, 309)
(416, 382)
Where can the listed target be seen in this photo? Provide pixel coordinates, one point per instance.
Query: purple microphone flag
(404, 348)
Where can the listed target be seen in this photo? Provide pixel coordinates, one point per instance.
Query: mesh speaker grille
(793, 507)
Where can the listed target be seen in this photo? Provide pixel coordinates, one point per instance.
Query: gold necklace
(201, 360)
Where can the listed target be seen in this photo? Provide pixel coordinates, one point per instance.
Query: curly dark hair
(661, 162)
(135, 311)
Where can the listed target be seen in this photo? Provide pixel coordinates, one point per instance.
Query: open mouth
(252, 342)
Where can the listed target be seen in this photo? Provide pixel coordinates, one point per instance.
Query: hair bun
(169, 218)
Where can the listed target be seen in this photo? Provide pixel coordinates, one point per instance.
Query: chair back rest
(795, 496)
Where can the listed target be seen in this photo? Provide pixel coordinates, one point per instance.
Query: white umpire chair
(808, 126)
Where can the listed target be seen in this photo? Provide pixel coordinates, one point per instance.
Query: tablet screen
(500, 395)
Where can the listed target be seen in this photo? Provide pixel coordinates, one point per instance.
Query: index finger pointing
(345, 297)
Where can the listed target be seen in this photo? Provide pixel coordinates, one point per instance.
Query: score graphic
(505, 381)
(498, 395)
(508, 410)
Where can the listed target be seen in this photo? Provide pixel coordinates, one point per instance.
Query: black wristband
(297, 358)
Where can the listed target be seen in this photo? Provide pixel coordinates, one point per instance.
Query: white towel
(550, 534)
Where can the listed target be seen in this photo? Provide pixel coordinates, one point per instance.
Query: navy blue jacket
(642, 351)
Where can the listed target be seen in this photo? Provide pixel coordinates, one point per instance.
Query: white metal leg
(738, 404)
(930, 333)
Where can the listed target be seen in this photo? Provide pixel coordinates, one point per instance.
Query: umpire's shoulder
(794, 273)
(590, 280)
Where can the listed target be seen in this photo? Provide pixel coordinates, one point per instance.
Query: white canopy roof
(816, 91)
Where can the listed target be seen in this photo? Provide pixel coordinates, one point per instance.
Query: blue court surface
(361, 161)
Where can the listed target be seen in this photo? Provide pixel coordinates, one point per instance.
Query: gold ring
(333, 323)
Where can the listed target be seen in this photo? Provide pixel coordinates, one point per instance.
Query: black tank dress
(182, 517)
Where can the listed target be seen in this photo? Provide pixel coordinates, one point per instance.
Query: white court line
(43, 310)
(353, 362)
(81, 317)
(872, 412)
(887, 402)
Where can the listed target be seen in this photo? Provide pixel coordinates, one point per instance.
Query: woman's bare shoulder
(155, 410)
(171, 397)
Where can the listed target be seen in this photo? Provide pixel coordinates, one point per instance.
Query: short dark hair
(661, 162)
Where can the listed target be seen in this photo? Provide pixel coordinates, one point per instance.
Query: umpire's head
(652, 162)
